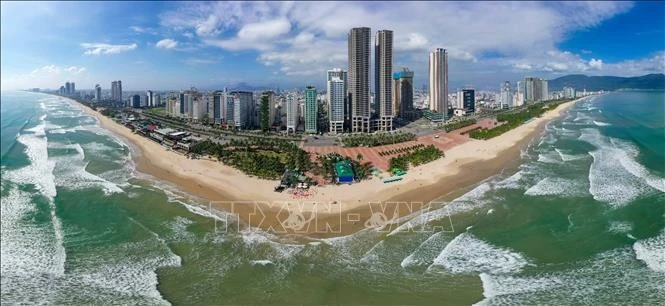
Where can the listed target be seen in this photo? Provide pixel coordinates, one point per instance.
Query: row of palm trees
(372, 140)
(415, 158)
(401, 150)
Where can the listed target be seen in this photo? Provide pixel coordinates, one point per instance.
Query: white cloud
(309, 37)
(523, 66)
(143, 30)
(47, 76)
(208, 27)
(100, 48)
(596, 64)
(166, 43)
(201, 61)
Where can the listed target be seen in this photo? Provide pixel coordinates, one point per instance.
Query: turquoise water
(580, 221)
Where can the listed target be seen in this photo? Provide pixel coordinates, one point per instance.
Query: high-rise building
(217, 106)
(506, 95)
(358, 78)
(403, 93)
(536, 90)
(73, 89)
(292, 116)
(339, 111)
(136, 101)
(311, 110)
(116, 91)
(98, 93)
(156, 99)
(272, 101)
(569, 92)
(520, 95)
(438, 82)
(243, 115)
(148, 96)
(336, 94)
(383, 56)
(469, 100)
(68, 89)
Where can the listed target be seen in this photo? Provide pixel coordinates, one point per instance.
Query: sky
(212, 45)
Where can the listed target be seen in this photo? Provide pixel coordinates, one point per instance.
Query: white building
(292, 113)
(507, 95)
(336, 95)
(438, 81)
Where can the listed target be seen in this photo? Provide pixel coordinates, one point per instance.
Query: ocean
(581, 220)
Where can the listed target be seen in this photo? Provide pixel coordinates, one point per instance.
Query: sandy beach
(463, 166)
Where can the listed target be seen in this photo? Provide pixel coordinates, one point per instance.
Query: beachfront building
(358, 95)
(438, 83)
(116, 91)
(272, 107)
(506, 95)
(569, 92)
(243, 109)
(292, 115)
(383, 101)
(135, 101)
(535, 90)
(469, 100)
(339, 111)
(403, 94)
(336, 93)
(98, 93)
(199, 108)
(311, 110)
(148, 98)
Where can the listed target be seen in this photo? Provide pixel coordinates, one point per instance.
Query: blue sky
(176, 45)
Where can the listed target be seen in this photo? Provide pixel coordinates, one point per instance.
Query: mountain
(594, 83)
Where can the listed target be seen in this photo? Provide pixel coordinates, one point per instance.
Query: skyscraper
(520, 95)
(243, 109)
(383, 56)
(148, 96)
(311, 109)
(506, 95)
(438, 81)
(292, 116)
(336, 94)
(339, 111)
(116, 91)
(73, 89)
(536, 90)
(469, 100)
(358, 78)
(98, 93)
(272, 101)
(403, 93)
(68, 88)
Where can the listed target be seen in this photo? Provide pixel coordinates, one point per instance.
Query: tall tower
(403, 93)
(98, 93)
(339, 107)
(438, 81)
(336, 93)
(311, 109)
(383, 55)
(507, 95)
(358, 78)
(114, 90)
(292, 116)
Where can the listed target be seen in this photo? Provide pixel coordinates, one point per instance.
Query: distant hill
(594, 83)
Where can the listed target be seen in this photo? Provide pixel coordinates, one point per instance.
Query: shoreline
(345, 208)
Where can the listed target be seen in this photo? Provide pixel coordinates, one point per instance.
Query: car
(436, 136)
